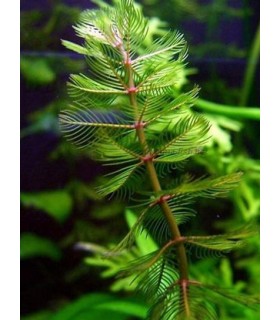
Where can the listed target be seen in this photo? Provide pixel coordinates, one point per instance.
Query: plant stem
(250, 69)
(153, 177)
(231, 111)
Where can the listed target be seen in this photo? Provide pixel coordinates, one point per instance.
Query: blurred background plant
(65, 228)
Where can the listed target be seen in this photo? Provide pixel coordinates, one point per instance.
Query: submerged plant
(125, 112)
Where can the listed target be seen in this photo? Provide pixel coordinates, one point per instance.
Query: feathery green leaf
(182, 141)
(217, 245)
(122, 182)
(208, 187)
(84, 127)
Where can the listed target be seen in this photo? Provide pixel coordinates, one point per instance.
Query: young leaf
(131, 24)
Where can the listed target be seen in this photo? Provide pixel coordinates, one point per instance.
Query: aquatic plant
(126, 113)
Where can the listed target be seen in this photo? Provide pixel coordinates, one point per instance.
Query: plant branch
(153, 177)
(250, 69)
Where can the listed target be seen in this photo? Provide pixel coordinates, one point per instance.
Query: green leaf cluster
(124, 112)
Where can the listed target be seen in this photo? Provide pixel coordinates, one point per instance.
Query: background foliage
(64, 226)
